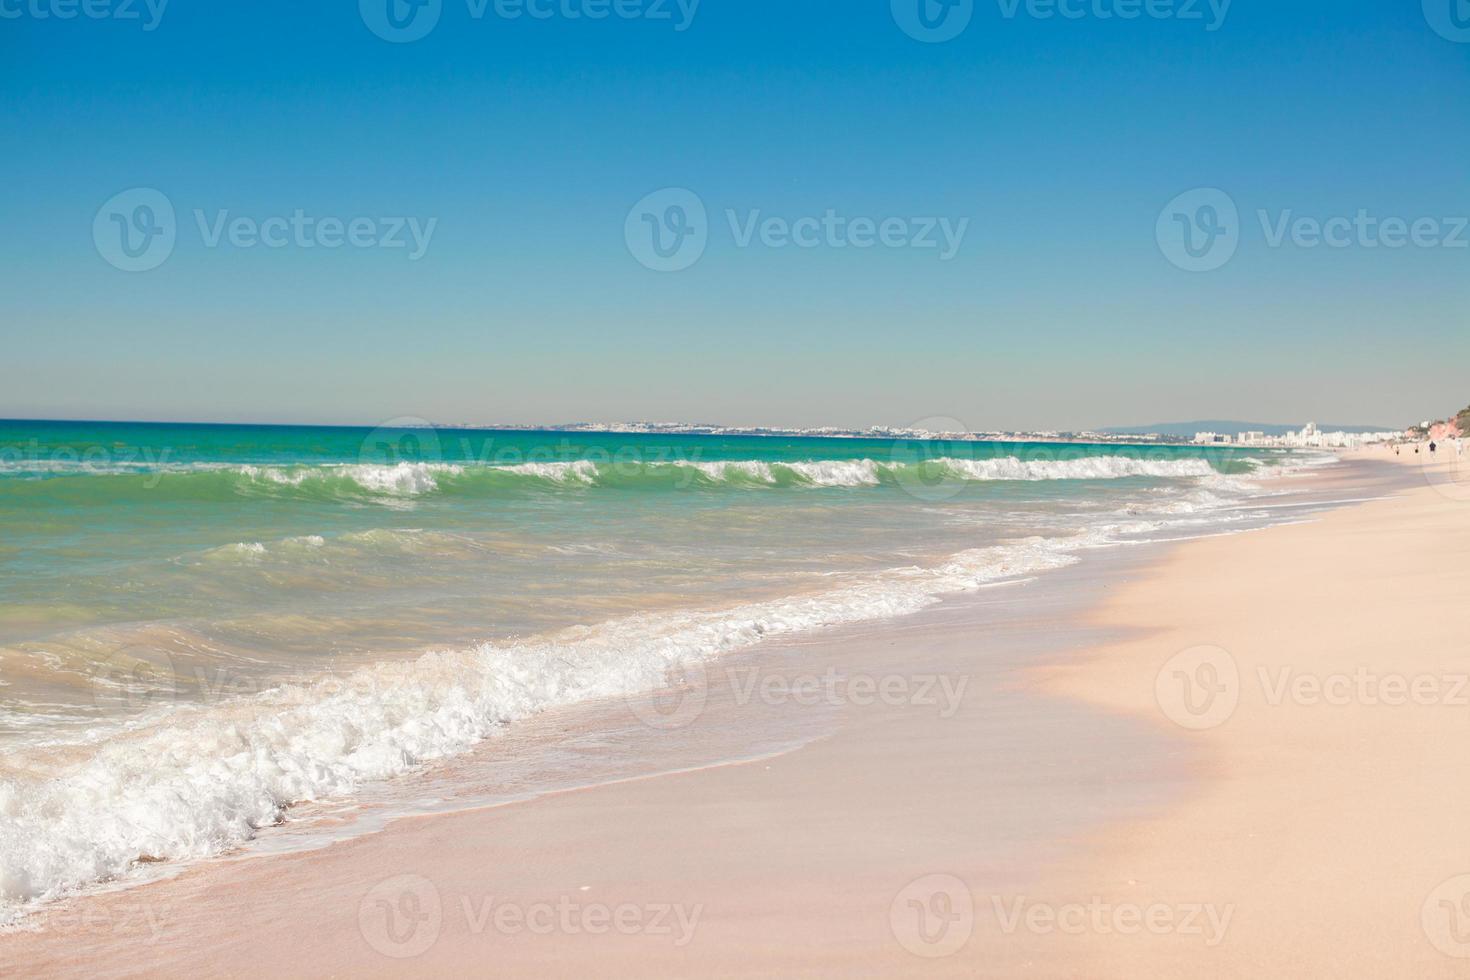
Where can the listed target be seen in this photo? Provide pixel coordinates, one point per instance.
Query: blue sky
(1057, 141)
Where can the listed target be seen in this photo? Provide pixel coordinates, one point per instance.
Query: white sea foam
(748, 469)
(240, 551)
(400, 479)
(576, 471)
(406, 480)
(274, 474)
(869, 472)
(837, 473)
(188, 781)
(817, 473)
(1084, 468)
(307, 541)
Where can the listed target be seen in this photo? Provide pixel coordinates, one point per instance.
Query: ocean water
(203, 625)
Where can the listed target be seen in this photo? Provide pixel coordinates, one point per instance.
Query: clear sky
(528, 141)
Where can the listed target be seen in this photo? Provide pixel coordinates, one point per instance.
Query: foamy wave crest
(400, 484)
(838, 473)
(1082, 468)
(733, 471)
(816, 473)
(399, 479)
(577, 471)
(187, 782)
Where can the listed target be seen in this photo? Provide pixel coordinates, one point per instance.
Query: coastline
(1326, 815)
(797, 862)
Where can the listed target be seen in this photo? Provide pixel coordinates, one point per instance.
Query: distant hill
(1228, 428)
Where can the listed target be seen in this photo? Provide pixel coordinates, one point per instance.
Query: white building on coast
(1310, 437)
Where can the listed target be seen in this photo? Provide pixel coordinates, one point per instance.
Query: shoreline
(1321, 700)
(235, 901)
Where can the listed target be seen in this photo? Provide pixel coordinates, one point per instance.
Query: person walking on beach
(1431, 449)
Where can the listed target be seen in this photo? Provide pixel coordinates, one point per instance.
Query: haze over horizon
(938, 424)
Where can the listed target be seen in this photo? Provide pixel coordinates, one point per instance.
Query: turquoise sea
(201, 625)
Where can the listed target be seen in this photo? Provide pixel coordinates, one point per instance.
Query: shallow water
(200, 625)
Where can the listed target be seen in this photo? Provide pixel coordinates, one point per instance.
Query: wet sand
(998, 786)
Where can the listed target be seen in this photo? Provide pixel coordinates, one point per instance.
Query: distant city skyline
(1173, 430)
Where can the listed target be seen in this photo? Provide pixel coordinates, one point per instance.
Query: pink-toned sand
(1281, 834)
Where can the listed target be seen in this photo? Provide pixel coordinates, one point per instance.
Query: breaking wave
(407, 480)
(187, 781)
